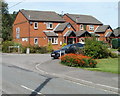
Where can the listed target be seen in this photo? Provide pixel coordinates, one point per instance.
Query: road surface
(18, 80)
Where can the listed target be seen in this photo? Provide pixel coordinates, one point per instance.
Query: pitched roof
(80, 33)
(69, 32)
(50, 34)
(117, 32)
(61, 27)
(102, 28)
(109, 34)
(42, 16)
(84, 19)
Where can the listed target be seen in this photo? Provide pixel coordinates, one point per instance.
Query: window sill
(54, 43)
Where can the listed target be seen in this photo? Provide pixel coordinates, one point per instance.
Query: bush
(115, 43)
(95, 49)
(6, 44)
(64, 44)
(35, 49)
(49, 47)
(78, 60)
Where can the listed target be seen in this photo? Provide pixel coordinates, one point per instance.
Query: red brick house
(37, 27)
(105, 33)
(89, 24)
(41, 27)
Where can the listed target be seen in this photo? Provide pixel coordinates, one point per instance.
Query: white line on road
(30, 89)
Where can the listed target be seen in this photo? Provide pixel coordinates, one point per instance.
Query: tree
(7, 21)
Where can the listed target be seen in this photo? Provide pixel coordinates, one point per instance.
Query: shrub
(115, 43)
(49, 47)
(35, 49)
(95, 49)
(64, 44)
(78, 60)
(5, 46)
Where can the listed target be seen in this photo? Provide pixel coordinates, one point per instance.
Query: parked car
(71, 48)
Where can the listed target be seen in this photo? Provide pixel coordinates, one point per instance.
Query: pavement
(103, 80)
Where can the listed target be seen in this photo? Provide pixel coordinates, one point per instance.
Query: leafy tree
(7, 21)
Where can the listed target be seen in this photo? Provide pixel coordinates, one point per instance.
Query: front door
(71, 40)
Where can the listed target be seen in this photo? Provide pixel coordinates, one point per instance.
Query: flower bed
(78, 60)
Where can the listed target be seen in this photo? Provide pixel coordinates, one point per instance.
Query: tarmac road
(19, 77)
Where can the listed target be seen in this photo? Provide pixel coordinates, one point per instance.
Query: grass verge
(106, 65)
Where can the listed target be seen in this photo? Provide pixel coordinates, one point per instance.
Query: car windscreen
(67, 46)
(80, 45)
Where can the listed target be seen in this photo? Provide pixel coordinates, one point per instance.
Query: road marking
(107, 86)
(30, 89)
(58, 75)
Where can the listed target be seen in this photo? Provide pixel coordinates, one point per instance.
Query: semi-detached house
(41, 27)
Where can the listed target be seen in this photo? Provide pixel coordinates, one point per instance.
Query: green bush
(49, 47)
(115, 43)
(95, 49)
(5, 46)
(35, 49)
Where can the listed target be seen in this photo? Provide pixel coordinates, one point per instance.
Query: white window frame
(53, 40)
(91, 27)
(35, 42)
(48, 25)
(18, 32)
(24, 39)
(35, 27)
(81, 26)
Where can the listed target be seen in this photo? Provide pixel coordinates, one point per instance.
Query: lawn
(106, 65)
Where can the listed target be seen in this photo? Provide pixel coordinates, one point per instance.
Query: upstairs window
(17, 32)
(49, 25)
(81, 27)
(91, 27)
(35, 25)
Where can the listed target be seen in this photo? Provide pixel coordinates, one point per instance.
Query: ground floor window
(24, 39)
(35, 40)
(53, 40)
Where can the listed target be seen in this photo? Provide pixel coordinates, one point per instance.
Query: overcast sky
(104, 10)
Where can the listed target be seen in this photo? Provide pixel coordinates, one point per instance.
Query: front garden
(95, 56)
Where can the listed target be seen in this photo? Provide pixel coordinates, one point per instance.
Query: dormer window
(49, 25)
(91, 27)
(81, 27)
(35, 25)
